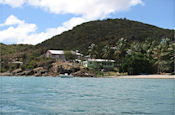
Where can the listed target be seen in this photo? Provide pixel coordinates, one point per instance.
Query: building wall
(58, 56)
(48, 54)
(85, 63)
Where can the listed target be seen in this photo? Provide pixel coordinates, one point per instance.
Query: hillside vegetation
(105, 32)
(136, 47)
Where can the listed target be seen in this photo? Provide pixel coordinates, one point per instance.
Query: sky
(33, 21)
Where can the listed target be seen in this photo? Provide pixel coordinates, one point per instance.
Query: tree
(95, 51)
(69, 55)
(163, 55)
(92, 50)
(107, 52)
(136, 64)
(120, 50)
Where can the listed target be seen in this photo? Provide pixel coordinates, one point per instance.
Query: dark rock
(28, 72)
(17, 71)
(20, 74)
(83, 74)
(39, 71)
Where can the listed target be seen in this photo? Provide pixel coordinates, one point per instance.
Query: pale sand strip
(147, 76)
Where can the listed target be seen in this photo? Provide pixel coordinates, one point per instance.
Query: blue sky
(33, 21)
(160, 13)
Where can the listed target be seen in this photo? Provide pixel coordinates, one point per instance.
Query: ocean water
(86, 96)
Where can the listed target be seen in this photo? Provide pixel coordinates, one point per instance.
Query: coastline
(122, 77)
(145, 77)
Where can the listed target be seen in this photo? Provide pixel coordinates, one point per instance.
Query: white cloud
(13, 3)
(12, 20)
(83, 11)
(85, 8)
(19, 31)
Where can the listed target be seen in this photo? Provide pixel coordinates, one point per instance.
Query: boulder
(82, 73)
(5, 74)
(20, 74)
(28, 72)
(39, 71)
(17, 71)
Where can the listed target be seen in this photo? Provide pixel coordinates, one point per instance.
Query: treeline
(145, 57)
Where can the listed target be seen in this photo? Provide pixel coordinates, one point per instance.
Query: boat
(66, 75)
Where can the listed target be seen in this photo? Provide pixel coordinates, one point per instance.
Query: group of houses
(86, 61)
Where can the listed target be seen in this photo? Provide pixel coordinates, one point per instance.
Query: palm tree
(107, 52)
(163, 54)
(135, 47)
(120, 50)
(92, 50)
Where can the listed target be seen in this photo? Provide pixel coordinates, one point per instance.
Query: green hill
(105, 32)
(152, 48)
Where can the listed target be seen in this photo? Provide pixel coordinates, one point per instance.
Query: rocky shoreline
(60, 67)
(57, 68)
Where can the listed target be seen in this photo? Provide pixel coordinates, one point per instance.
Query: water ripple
(87, 96)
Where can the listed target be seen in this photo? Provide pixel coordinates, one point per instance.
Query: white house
(99, 63)
(60, 54)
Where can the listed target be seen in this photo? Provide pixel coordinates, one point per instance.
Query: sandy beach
(148, 76)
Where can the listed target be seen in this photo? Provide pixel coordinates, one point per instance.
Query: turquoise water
(91, 96)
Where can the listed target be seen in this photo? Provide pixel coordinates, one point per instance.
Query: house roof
(101, 60)
(79, 54)
(59, 52)
(56, 51)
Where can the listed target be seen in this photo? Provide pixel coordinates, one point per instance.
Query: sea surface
(86, 96)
